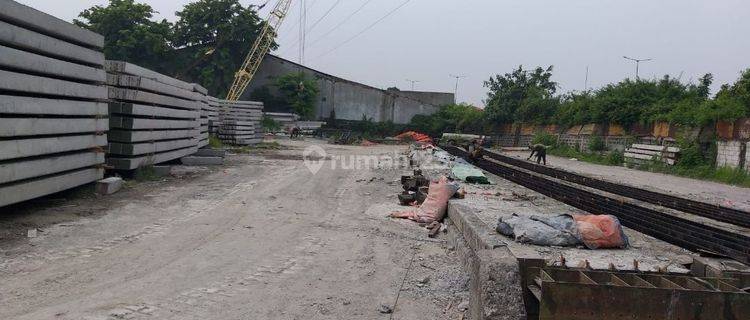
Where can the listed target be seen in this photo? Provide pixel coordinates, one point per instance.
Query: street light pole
(455, 92)
(637, 64)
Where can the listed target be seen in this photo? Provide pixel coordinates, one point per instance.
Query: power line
(324, 15)
(365, 29)
(342, 22)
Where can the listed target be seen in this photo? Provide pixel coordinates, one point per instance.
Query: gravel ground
(711, 192)
(259, 238)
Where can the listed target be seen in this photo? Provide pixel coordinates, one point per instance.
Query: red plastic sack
(600, 231)
(434, 207)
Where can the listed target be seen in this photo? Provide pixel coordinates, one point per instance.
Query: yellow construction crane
(259, 50)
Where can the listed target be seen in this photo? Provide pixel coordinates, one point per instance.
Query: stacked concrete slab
(240, 122)
(286, 120)
(202, 96)
(153, 118)
(52, 104)
(213, 115)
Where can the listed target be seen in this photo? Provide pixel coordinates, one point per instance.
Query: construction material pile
(240, 122)
(213, 115)
(205, 109)
(52, 107)
(287, 120)
(153, 118)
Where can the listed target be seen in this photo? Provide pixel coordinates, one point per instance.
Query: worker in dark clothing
(541, 153)
(475, 151)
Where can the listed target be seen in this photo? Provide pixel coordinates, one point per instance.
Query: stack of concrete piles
(202, 96)
(153, 118)
(213, 115)
(286, 120)
(240, 122)
(52, 104)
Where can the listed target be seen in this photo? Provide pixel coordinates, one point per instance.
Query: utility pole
(412, 83)
(637, 64)
(455, 92)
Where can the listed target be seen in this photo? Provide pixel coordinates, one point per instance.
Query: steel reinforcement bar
(675, 230)
(716, 212)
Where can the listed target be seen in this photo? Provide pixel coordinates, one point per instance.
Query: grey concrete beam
(21, 148)
(150, 147)
(151, 98)
(138, 123)
(41, 85)
(18, 192)
(117, 135)
(135, 163)
(42, 106)
(13, 127)
(36, 20)
(150, 111)
(240, 102)
(23, 60)
(135, 70)
(25, 169)
(146, 84)
(200, 89)
(203, 143)
(46, 45)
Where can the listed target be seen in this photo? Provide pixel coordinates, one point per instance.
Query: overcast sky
(427, 40)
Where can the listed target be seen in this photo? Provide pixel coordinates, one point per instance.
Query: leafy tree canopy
(300, 92)
(129, 33)
(521, 96)
(207, 44)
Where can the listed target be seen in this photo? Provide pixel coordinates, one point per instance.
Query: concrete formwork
(53, 114)
(155, 118)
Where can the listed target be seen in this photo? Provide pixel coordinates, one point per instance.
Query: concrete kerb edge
(490, 264)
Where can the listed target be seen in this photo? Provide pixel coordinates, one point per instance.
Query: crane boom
(259, 50)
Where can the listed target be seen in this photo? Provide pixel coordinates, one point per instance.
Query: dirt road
(262, 238)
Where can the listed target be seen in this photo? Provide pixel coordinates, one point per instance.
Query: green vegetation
(147, 173)
(205, 45)
(269, 124)
(300, 92)
(215, 142)
(456, 118)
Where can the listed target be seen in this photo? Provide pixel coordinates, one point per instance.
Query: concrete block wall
(730, 154)
(53, 113)
(153, 118)
(240, 122)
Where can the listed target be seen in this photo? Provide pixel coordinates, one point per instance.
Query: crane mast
(259, 50)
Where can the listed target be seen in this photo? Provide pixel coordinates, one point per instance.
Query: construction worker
(541, 153)
(475, 150)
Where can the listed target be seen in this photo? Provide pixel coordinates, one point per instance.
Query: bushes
(545, 139)
(596, 144)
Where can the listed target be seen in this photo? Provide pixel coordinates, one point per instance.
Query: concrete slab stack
(286, 120)
(202, 96)
(213, 115)
(153, 118)
(52, 104)
(240, 122)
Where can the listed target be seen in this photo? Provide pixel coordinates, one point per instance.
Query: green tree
(129, 33)
(212, 38)
(299, 92)
(521, 96)
(458, 118)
